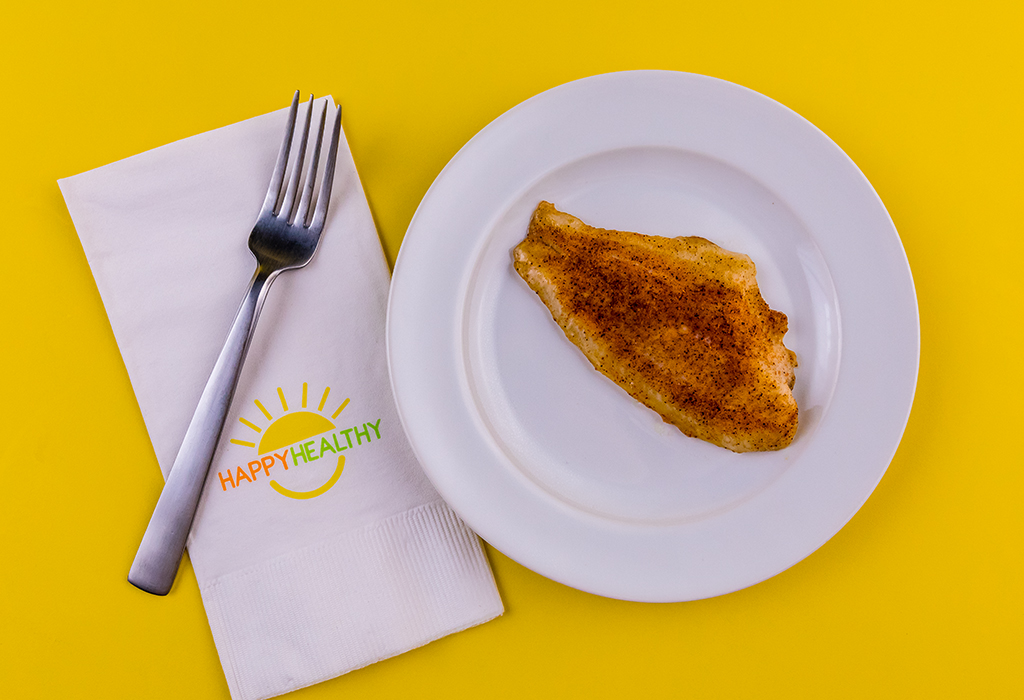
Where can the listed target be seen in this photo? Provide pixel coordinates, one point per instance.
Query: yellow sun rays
(247, 424)
(340, 409)
(284, 407)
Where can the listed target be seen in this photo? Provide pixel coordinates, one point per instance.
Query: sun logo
(296, 438)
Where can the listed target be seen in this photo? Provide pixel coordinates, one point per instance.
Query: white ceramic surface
(548, 460)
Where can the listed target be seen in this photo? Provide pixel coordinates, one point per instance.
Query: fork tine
(324, 197)
(288, 205)
(307, 188)
(274, 190)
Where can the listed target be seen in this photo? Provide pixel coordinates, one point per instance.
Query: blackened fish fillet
(679, 323)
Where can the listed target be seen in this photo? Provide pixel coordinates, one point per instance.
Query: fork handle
(156, 563)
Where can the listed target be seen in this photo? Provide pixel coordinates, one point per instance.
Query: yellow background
(920, 594)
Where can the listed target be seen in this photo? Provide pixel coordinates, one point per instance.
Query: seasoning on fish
(678, 323)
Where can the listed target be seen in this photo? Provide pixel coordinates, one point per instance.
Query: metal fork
(283, 238)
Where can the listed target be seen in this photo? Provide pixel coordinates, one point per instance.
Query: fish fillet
(679, 323)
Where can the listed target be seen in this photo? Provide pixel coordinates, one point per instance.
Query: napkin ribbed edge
(365, 595)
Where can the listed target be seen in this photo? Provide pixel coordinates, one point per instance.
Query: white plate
(553, 464)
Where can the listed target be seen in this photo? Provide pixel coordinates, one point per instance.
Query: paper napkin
(319, 545)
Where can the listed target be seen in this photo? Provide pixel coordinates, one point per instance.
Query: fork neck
(256, 294)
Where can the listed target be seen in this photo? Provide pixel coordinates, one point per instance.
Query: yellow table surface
(918, 596)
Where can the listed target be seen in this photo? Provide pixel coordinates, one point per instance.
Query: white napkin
(346, 555)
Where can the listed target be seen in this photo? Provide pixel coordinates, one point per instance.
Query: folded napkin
(319, 545)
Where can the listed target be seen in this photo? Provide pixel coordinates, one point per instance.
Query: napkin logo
(292, 442)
